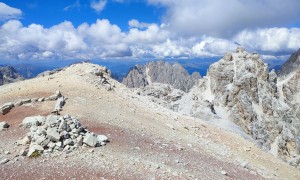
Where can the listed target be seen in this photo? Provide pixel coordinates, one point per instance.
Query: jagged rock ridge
(8, 75)
(241, 85)
(161, 72)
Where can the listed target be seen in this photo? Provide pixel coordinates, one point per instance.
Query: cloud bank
(226, 18)
(104, 40)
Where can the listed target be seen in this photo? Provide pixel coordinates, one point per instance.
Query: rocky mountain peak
(292, 64)
(8, 75)
(241, 84)
(161, 72)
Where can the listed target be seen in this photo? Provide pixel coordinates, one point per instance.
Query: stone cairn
(56, 133)
(52, 133)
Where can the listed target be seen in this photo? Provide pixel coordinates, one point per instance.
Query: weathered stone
(72, 126)
(53, 134)
(59, 104)
(31, 121)
(26, 101)
(19, 103)
(3, 125)
(68, 142)
(34, 148)
(51, 145)
(224, 172)
(41, 130)
(102, 138)
(34, 99)
(40, 139)
(41, 99)
(6, 152)
(79, 140)
(90, 140)
(4, 161)
(6, 108)
(51, 120)
(24, 141)
(58, 144)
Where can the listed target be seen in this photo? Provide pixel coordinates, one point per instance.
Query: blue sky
(146, 29)
(51, 12)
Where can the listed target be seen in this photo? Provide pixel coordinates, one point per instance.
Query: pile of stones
(56, 133)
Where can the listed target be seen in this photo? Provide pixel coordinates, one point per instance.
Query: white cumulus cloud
(270, 39)
(7, 12)
(98, 5)
(103, 39)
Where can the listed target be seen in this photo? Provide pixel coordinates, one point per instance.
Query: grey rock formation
(292, 64)
(8, 75)
(241, 85)
(161, 72)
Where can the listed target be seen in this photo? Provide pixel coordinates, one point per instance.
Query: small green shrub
(35, 154)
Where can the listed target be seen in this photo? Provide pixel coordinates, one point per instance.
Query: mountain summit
(161, 72)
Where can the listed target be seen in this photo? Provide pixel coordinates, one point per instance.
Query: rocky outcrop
(240, 89)
(54, 133)
(291, 65)
(242, 86)
(8, 75)
(161, 72)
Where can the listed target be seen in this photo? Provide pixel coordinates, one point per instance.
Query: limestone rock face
(161, 72)
(292, 64)
(241, 84)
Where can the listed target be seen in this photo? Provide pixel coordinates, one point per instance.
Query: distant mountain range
(120, 68)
